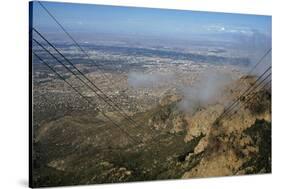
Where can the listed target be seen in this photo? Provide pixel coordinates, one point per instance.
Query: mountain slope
(87, 148)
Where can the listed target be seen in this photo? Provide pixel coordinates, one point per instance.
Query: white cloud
(230, 29)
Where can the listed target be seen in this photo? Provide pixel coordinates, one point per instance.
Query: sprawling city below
(135, 77)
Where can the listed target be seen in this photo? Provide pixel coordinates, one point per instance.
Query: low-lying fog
(202, 92)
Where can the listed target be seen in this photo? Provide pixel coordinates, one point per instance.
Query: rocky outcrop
(169, 117)
(237, 145)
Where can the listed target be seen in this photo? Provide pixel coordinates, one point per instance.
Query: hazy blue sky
(144, 21)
